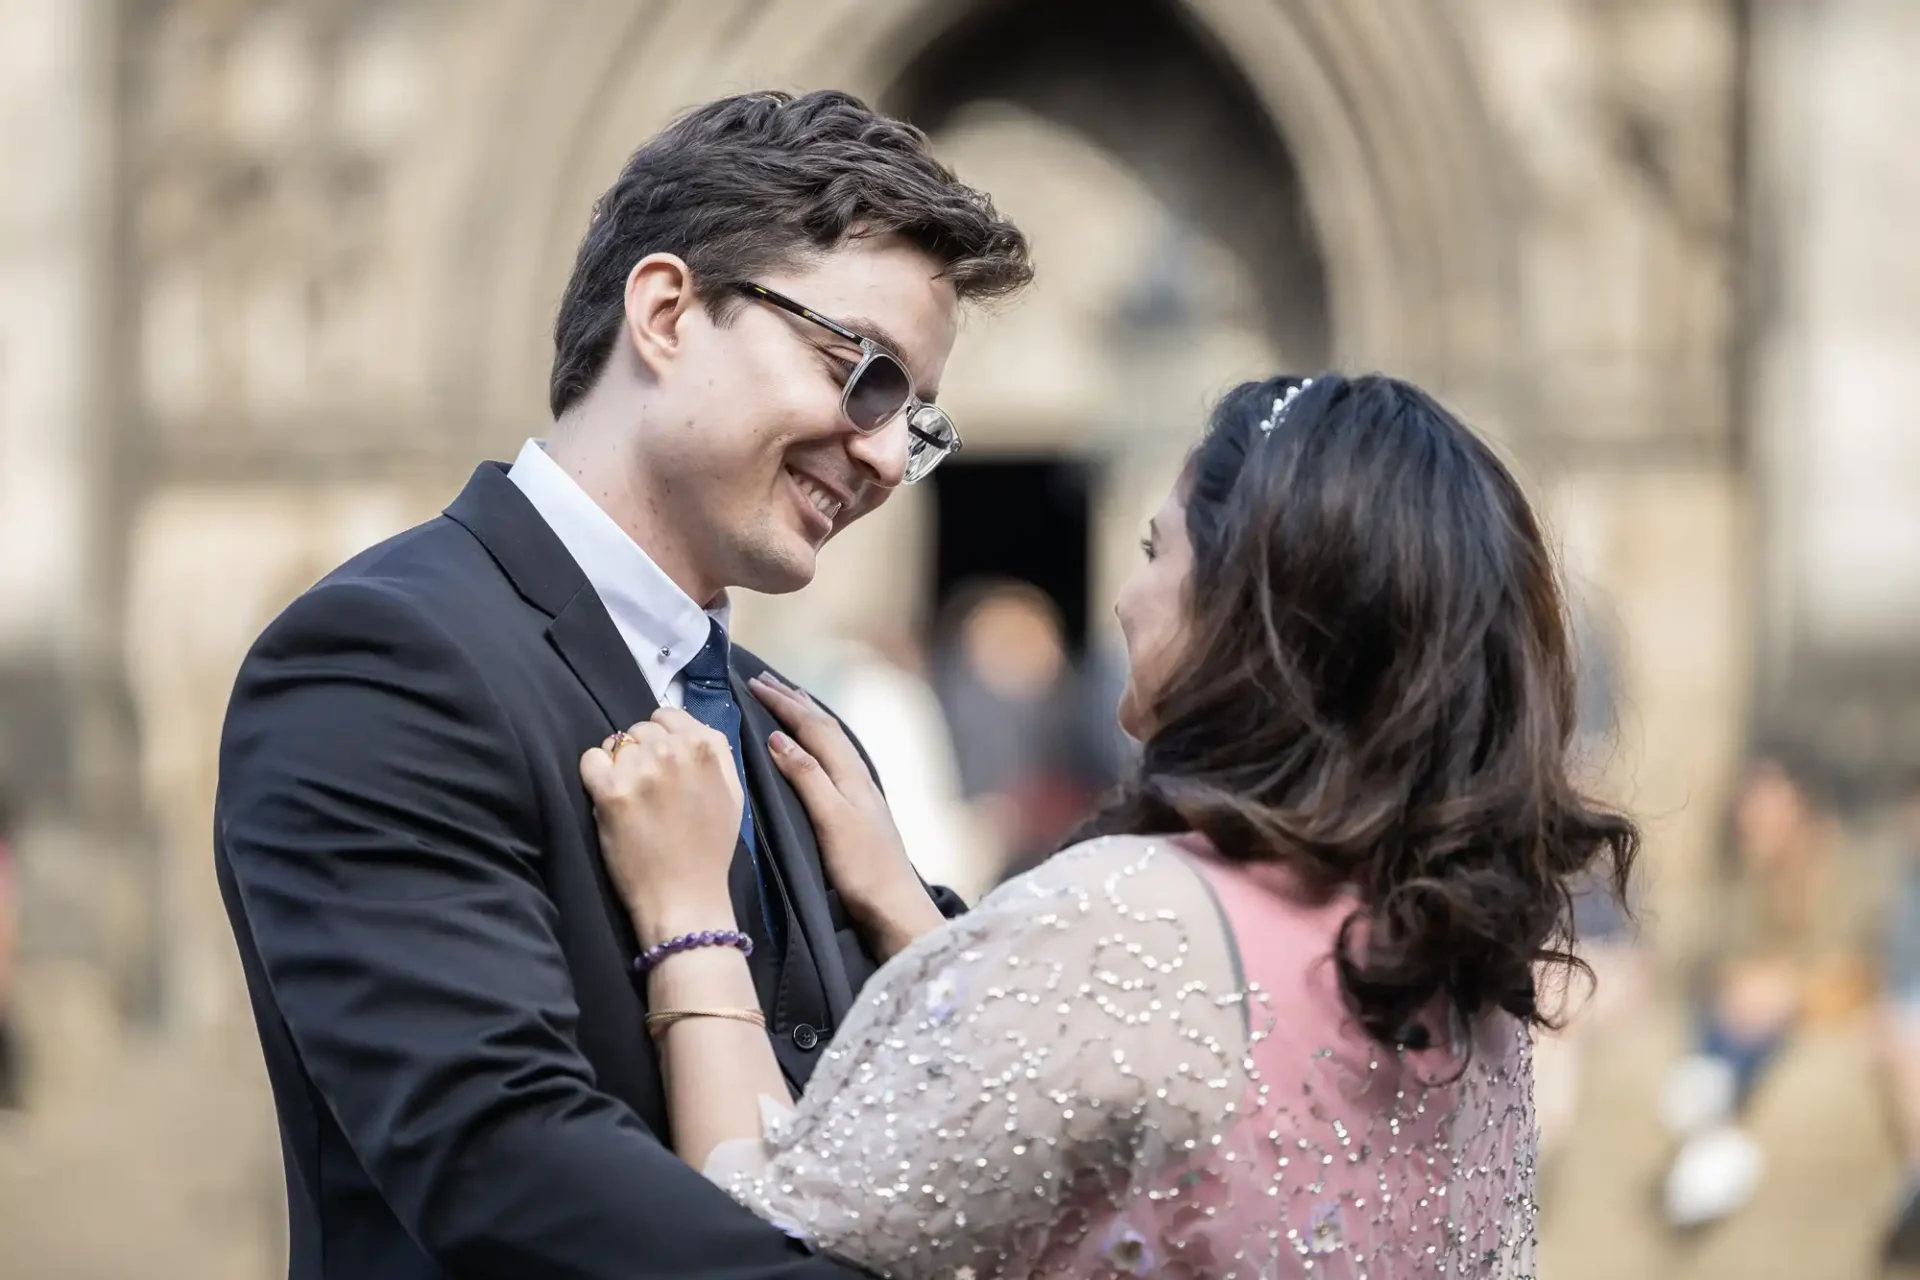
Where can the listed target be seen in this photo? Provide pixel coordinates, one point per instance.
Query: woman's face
(1153, 613)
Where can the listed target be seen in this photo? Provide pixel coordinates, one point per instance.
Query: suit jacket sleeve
(381, 824)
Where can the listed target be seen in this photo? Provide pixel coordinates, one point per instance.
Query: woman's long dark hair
(1378, 692)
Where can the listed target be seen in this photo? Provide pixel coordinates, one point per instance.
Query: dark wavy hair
(1379, 693)
(756, 182)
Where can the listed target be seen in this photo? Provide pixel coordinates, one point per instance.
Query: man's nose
(882, 454)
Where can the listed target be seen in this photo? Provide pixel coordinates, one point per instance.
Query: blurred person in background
(1271, 1017)
(9, 933)
(877, 684)
(1796, 948)
(1016, 708)
(1900, 1019)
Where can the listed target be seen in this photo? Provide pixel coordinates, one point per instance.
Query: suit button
(805, 1038)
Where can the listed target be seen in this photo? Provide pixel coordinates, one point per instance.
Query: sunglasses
(877, 390)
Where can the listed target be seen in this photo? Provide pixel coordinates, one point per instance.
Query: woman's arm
(860, 847)
(667, 801)
(1016, 1076)
(716, 1069)
(889, 925)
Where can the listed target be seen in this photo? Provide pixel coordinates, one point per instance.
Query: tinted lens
(931, 438)
(877, 392)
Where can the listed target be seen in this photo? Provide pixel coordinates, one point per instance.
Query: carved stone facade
(1832, 376)
(290, 268)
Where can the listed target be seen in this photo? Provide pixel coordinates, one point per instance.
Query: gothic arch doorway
(1343, 150)
(1148, 85)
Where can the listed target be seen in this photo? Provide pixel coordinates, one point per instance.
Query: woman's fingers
(596, 771)
(668, 745)
(819, 733)
(676, 722)
(634, 742)
(786, 704)
(809, 781)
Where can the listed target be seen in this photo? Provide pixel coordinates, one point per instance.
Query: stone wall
(286, 272)
(1834, 384)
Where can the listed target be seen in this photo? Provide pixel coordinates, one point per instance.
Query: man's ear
(659, 296)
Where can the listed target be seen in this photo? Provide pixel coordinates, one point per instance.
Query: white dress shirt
(662, 625)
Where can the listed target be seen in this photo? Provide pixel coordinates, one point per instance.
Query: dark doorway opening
(1146, 82)
(1022, 518)
(1011, 580)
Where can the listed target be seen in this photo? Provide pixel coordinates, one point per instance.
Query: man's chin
(784, 573)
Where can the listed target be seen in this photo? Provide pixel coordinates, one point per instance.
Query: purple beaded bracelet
(653, 955)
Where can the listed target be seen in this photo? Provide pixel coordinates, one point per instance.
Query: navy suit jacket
(437, 965)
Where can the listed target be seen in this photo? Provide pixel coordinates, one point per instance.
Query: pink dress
(1134, 1061)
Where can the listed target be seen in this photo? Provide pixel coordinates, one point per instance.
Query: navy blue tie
(709, 699)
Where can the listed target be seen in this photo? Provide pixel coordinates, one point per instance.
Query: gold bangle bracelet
(658, 1022)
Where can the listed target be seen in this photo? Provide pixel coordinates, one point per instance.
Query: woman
(1797, 923)
(1272, 1017)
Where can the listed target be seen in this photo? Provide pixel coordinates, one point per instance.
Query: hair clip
(1280, 403)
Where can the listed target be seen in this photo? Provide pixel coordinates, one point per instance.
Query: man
(746, 358)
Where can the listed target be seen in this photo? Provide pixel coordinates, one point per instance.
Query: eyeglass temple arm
(807, 313)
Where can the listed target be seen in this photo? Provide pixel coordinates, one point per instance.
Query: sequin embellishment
(1070, 1081)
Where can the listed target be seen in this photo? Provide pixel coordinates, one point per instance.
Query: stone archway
(264, 234)
(1429, 207)
(342, 227)
(360, 301)
(1397, 167)
(1148, 86)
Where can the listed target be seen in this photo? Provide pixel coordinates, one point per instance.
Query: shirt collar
(661, 623)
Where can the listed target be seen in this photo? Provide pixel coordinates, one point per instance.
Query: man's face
(750, 460)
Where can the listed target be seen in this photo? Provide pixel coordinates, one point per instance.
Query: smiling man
(747, 357)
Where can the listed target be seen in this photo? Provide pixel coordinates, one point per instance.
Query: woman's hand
(667, 797)
(667, 800)
(860, 846)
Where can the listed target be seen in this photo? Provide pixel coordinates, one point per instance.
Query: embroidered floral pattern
(1063, 1083)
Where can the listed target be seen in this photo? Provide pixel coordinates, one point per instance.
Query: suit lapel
(787, 834)
(593, 647)
(537, 563)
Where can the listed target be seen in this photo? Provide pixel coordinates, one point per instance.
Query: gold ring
(615, 741)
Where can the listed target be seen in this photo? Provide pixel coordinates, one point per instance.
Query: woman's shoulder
(1127, 900)
(1254, 898)
(1117, 869)
(1181, 874)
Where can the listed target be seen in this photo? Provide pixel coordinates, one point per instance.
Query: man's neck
(606, 472)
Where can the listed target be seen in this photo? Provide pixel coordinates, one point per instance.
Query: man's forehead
(876, 277)
(890, 293)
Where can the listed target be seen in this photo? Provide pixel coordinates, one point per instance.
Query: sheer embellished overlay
(1075, 1079)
